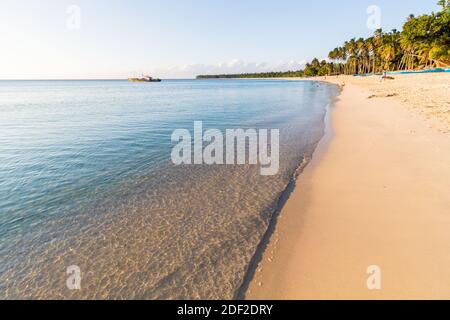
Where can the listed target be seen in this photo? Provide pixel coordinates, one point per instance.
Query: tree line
(423, 43)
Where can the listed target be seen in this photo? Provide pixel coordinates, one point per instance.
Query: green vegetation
(423, 43)
(288, 74)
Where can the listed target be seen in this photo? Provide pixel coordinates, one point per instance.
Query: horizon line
(88, 79)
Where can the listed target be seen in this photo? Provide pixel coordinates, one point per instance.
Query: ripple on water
(186, 232)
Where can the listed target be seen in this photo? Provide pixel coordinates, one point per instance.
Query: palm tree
(387, 50)
(333, 56)
(377, 41)
(445, 4)
(371, 53)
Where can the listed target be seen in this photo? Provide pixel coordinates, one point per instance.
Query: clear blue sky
(179, 38)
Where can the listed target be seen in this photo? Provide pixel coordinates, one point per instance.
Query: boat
(432, 70)
(144, 79)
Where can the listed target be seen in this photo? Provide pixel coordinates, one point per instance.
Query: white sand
(376, 193)
(425, 94)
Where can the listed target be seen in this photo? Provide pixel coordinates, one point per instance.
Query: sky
(104, 39)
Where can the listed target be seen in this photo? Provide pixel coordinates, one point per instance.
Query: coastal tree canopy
(423, 43)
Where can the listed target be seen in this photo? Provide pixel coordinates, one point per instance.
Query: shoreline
(281, 202)
(373, 194)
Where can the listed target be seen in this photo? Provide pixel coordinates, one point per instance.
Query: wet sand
(376, 193)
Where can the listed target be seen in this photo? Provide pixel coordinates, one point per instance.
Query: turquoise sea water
(86, 179)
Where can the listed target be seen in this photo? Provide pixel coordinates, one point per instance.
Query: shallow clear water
(86, 179)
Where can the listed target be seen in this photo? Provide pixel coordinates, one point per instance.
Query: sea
(87, 184)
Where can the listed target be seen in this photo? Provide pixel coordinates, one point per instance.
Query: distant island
(424, 43)
(144, 79)
(287, 74)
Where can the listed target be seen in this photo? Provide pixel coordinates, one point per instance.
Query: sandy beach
(377, 193)
(424, 94)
